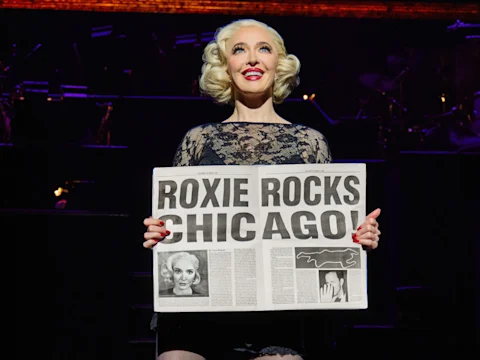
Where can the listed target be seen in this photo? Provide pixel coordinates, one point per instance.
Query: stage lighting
(79, 193)
(60, 191)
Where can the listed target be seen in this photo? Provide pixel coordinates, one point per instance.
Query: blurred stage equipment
(5, 121)
(193, 39)
(461, 25)
(32, 87)
(101, 31)
(476, 113)
(385, 86)
(454, 124)
(311, 98)
(107, 66)
(76, 194)
(104, 132)
(462, 119)
(388, 110)
(73, 91)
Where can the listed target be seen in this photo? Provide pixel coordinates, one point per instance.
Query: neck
(255, 110)
(182, 292)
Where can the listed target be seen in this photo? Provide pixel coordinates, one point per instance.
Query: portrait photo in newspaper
(183, 273)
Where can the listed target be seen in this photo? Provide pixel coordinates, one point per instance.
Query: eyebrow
(258, 44)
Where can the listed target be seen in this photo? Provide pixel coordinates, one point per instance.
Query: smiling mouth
(253, 75)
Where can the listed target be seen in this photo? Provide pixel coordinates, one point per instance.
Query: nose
(252, 59)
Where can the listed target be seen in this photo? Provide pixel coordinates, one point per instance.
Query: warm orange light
(60, 191)
(340, 9)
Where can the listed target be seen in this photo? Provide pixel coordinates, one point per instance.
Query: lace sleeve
(188, 150)
(321, 148)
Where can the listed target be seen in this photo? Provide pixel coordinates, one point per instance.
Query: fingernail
(162, 223)
(359, 228)
(167, 232)
(356, 241)
(354, 238)
(162, 235)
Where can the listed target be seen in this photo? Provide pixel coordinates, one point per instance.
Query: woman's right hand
(155, 232)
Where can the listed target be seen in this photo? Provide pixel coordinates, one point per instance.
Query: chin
(254, 92)
(254, 86)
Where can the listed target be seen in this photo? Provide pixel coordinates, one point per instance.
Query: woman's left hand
(368, 234)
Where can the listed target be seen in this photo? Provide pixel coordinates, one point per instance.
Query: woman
(247, 66)
(181, 270)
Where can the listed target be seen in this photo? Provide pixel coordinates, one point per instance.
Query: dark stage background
(83, 279)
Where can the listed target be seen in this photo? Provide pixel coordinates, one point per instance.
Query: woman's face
(183, 274)
(251, 61)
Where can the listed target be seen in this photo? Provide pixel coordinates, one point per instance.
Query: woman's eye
(190, 272)
(238, 49)
(265, 48)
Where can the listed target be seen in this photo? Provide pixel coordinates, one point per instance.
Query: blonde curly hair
(167, 269)
(215, 82)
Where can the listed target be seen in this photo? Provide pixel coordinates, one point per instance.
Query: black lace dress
(244, 335)
(252, 144)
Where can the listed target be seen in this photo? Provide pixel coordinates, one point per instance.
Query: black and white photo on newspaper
(256, 238)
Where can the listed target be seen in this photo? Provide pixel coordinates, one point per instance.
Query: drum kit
(446, 124)
(454, 129)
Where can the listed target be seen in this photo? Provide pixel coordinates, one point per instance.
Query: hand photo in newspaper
(333, 286)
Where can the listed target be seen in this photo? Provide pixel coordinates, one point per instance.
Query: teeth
(253, 73)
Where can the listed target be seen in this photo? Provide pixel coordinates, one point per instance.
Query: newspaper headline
(274, 237)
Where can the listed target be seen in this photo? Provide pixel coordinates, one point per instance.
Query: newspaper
(257, 238)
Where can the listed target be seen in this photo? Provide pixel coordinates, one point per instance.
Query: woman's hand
(368, 234)
(155, 232)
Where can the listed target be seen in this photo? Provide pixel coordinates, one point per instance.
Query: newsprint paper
(256, 238)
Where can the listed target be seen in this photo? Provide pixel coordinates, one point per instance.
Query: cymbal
(378, 82)
(394, 60)
(397, 60)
